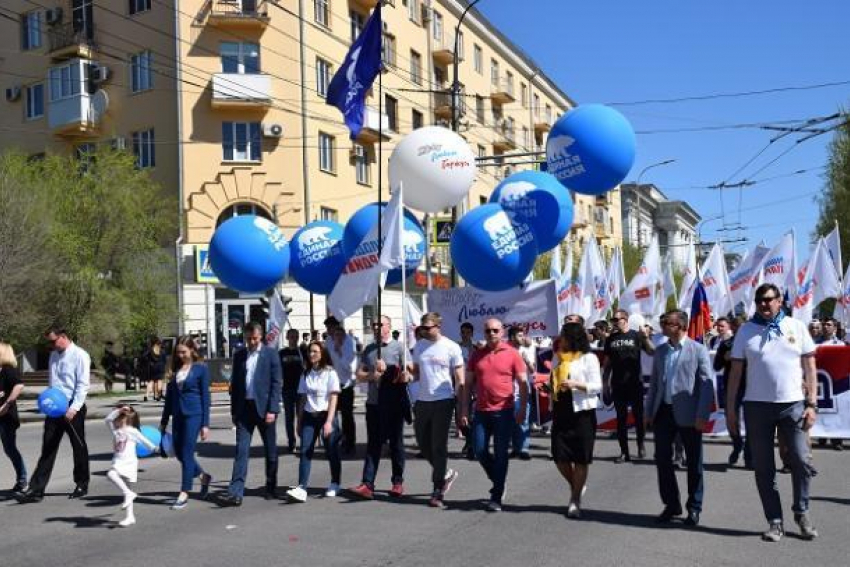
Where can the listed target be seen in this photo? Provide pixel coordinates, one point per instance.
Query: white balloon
(436, 166)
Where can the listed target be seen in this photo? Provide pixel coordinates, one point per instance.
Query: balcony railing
(73, 116)
(443, 105)
(238, 13)
(66, 41)
(502, 91)
(375, 125)
(443, 50)
(231, 90)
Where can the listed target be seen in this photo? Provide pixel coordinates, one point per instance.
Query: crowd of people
(662, 381)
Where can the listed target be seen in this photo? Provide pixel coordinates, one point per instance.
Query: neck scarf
(773, 330)
(562, 373)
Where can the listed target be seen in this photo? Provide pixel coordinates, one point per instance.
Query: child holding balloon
(123, 421)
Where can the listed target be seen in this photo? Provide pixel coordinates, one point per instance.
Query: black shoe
(291, 449)
(785, 469)
(79, 492)
(641, 452)
(623, 458)
(524, 456)
(667, 515)
(30, 496)
(692, 519)
(733, 457)
(229, 501)
(20, 487)
(270, 494)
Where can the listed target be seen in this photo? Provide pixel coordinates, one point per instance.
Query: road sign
(441, 231)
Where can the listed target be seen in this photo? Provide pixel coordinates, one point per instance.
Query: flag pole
(400, 236)
(379, 338)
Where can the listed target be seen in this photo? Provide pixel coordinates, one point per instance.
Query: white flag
(555, 264)
(667, 288)
(277, 320)
(616, 275)
(832, 242)
(568, 290)
(365, 270)
(412, 319)
(778, 267)
(716, 282)
(842, 306)
(639, 295)
(741, 279)
(689, 278)
(594, 301)
(819, 282)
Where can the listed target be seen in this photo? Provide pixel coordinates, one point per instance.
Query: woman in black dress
(10, 388)
(575, 383)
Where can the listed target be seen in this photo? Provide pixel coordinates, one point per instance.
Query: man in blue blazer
(681, 393)
(255, 394)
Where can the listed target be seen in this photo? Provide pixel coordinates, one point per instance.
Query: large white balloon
(436, 166)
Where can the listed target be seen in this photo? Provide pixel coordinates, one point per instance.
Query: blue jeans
(185, 430)
(499, 425)
(763, 419)
(290, 410)
(311, 429)
(8, 435)
(521, 438)
(665, 434)
(384, 423)
(245, 425)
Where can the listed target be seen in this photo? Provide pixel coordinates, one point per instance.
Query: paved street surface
(617, 528)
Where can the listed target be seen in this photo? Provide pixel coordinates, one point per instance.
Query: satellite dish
(99, 104)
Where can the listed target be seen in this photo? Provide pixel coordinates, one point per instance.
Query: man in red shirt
(491, 372)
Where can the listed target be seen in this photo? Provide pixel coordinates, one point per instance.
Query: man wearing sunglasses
(779, 353)
(493, 372)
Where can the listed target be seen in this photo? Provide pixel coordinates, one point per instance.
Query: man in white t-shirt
(342, 349)
(438, 367)
(779, 353)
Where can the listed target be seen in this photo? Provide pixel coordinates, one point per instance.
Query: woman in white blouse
(319, 390)
(575, 383)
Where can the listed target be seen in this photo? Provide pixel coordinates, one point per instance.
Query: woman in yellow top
(575, 383)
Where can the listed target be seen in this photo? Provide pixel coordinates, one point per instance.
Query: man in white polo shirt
(780, 354)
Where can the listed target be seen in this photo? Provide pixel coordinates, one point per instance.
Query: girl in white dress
(123, 421)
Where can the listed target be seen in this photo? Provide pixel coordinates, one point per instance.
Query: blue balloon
(52, 403)
(167, 444)
(538, 199)
(317, 258)
(591, 149)
(492, 252)
(153, 435)
(249, 254)
(413, 238)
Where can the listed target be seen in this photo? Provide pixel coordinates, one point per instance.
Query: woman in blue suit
(187, 400)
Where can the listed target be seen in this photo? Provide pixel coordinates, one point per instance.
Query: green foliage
(835, 200)
(86, 252)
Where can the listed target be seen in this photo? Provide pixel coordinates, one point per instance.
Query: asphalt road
(617, 527)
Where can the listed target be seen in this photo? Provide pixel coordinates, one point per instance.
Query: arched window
(239, 209)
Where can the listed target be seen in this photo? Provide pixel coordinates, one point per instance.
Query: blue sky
(621, 51)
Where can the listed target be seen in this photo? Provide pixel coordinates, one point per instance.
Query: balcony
(541, 124)
(600, 231)
(241, 90)
(73, 117)
(505, 140)
(374, 125)
(443, 51)
(502, 92)
(443, 105)
(239, 14)
(66, 41)
(365, 5)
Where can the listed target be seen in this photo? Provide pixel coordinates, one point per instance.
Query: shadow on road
(84, 521)
(832, 499)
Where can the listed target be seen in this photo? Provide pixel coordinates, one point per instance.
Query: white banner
(533, 308)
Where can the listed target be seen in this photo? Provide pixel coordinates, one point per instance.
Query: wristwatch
(811, 405)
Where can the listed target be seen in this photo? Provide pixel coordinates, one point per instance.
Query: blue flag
(362, 64)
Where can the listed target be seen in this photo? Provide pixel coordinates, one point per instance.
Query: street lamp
(455, 94)
(637, 193)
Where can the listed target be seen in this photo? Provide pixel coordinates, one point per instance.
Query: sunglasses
(428, 327)
(766, 299)
(615, 319)
(492, 331)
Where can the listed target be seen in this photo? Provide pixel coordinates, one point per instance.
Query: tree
(835, 200)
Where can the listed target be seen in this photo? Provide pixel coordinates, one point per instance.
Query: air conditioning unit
(13, 93)
(272, 130)
(53, 16)
(119, 143)
(358, 151)
(100, 74)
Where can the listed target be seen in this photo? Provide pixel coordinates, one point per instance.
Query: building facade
(224, 102)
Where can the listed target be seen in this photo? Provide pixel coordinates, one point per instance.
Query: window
(143, 149)
(460, 49)
(323, 76)
(240, 141)
(494, 72)
(417, 119)
(327, 147)
(65, 81)
(137, 6)
(391, 108)
(322, 12)
(361, 164)
(548, 113)
(238, 57)
(439, 76)
(326, 213)
(141, 78)
(358, 20)
(536, 106)
(388, 50)
(478, 58)
(437, 27)
(413, 11)
(35, 101)
(483, 200)
(482, 151)
(31, 30)
(526, 139)
(523, 94)
(479, 109)
(239, 209)
(85, 155)
(509, 82)
(415, 67)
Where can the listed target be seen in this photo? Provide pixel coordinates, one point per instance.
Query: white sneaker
(298, 494)
(127, 522)
(128, 499)
(333, 488)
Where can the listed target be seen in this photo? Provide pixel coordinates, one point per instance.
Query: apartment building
(224, 102)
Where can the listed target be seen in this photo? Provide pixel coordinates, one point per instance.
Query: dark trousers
(54, 429)
(290, 410)
(245, 424)
(345, 407)
(184, 435)
(665, 433)
(739, 442)
(431, 425)
(311, 429)
(384, 423)
(499, 425)
(622, 401)
(8, 435)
